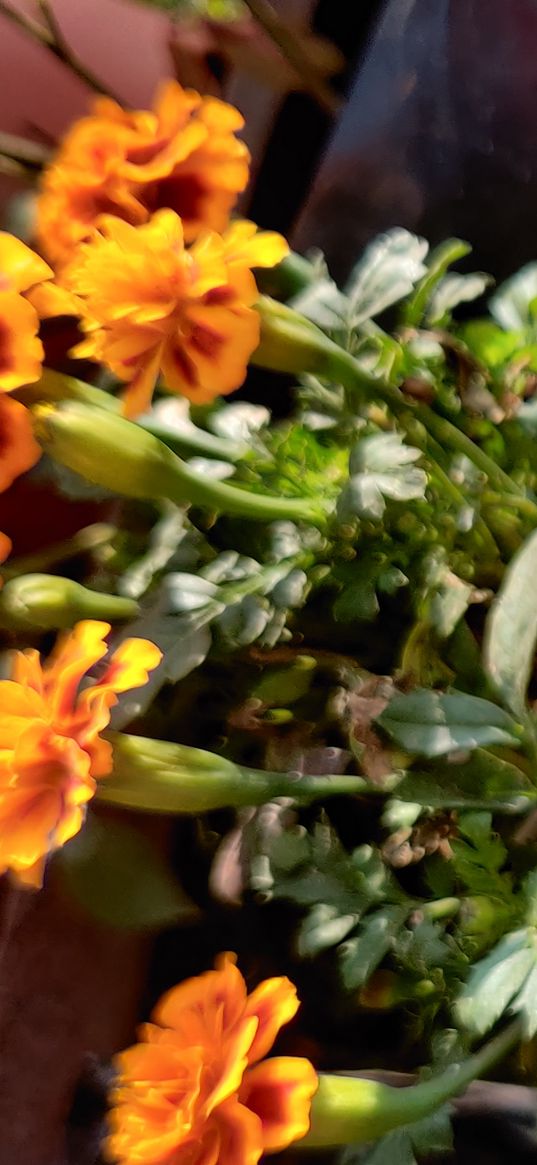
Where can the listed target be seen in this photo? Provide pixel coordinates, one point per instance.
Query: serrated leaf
(323, 304)
(380, 467)
(452, 290)
(511, 628)
(324, 927)
(388, 270)
(120, 878)
(494, 982)
(484, 778)
(360, 956)
(513, 305)
(433, 1134)
(394, 1149)
(433, 723)
(525, 1004)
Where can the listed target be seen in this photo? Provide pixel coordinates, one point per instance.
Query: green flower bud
(120, 455)
(160, 777)
(46, 602)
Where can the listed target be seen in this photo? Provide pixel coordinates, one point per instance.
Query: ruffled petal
(279, 1092)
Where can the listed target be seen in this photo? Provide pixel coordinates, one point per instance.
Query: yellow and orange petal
(183, 154)
(279, 1092)
(51, 754)
(149, 304)
(19, 450)
(21, 274)
(171, 1110)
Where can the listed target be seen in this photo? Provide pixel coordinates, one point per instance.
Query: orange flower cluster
(194, 1091)
(183, 154)
(148, 304)
(51, 753)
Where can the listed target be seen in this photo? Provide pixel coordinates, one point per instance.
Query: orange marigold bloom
(183, 154)
(193, 1092)
(21, 274)
(147, 304)
(51, 753)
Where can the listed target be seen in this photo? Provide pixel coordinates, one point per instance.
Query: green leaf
(432, 723)
(513, 305)
(380, 467)
(121, 879)
(484, 778)
(494, 982)
(433, 1134)
(511, 628)
(362, 954)
(394, 1149)
(324, 927)
(525, 1004)
(492, 346)
(452, 290)
(439, 261)
(390, 267)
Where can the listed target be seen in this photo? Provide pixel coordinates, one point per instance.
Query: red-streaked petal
(279, 1091)
(274, 1003)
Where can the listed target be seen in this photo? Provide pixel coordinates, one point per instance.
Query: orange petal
(202, 1008)
(21, 351)
(20, 268)
(75, 653)
(274, 1002)
(279, 1091)
(240, 1134)
(19, 450)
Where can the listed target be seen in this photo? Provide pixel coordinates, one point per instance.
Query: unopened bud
(46, 602)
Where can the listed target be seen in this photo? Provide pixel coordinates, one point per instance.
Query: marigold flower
(51, 753)
(183, 154)
(194, 1091)
(21, 275)
(147, 304)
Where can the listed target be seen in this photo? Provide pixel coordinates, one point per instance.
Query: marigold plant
(52, 752)
(148, 304)
(182, 154)
(197, 1089)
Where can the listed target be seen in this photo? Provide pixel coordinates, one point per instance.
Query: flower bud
(161, 777)
(289, 342)
(47, 602)
(113, 452)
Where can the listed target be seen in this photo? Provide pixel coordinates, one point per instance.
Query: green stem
(346, 1110)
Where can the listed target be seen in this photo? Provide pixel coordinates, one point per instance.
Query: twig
(289, 45)
(51, 37)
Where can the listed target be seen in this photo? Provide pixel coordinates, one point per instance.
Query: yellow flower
(150, 305)
(51, 753)
(182, 154)
(21, 274)
(194, 1092)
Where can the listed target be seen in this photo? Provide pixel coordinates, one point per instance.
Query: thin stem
(51, 38)
(353, 377)
(290, 46)
(354, 1111)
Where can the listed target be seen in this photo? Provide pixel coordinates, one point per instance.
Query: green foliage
(433, 724)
